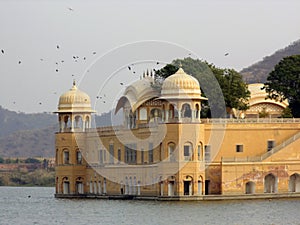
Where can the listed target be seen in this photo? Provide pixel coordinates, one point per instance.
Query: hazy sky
(107, 36)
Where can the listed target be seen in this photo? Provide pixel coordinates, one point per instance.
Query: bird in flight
(121, 83)
(71, 9)
(129, 67)
(2, 51)
(94, 53)
(57, 46)
(226, 54)
(20, 62)
(56, 70)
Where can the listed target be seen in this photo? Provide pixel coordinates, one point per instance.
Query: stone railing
(281, 146)
(251, 120)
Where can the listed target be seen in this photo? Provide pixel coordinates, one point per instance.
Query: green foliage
(37, 177)
(32, 160)
(284, 83)
(223, 87)
(263, 113)
(287, 113)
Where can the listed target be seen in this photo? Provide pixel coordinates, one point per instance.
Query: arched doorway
(188, 185)
(66, 185)
(171, 186)
(200, 186)
(250, 187)
(79, 185)
(294, 183)
(270, 183)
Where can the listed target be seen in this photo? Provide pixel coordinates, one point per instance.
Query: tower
(74, 116)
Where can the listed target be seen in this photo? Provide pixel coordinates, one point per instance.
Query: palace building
(163, 149)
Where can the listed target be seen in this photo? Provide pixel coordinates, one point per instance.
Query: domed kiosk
(182, 96)
(259, 103)
(74, 110)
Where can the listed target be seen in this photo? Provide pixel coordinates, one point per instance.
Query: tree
(223, 87)
(284, 83)
(32, 160)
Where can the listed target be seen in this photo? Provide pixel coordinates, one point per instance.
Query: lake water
(16, 207)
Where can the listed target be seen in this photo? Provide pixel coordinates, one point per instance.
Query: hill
(33, 135)
(258, 72)
(29, 143)
(11, 121)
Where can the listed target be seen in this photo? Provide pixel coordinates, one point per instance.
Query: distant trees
(284, 83)
(224, 88)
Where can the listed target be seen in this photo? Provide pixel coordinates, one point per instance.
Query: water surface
(36, 205)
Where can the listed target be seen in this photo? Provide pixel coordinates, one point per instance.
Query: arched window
(143, 114)
(171, 111)
(78, 157)
(199, 152)
(197, 111)
(87, 122)
(66, 157)
(186, 111)
(171, 152)
(67, 122)
(78, 122)
(155, 115)
(187, 151)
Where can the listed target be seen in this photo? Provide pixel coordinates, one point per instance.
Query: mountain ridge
(259, 71)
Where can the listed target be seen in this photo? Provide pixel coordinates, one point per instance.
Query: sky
(48, 43)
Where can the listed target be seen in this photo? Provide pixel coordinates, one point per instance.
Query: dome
(138, 93)
(181, 85)
(74, 100)
(259, 96)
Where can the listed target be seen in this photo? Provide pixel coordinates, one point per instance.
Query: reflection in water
(16, 207)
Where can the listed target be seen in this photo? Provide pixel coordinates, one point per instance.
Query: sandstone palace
(163, 150)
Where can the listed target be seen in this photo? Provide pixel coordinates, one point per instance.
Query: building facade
(164, 150)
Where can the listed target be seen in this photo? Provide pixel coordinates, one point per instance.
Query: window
(150, 153)
(130, 153)
(171, 152)
(119, 155)
(111, 154)
(143, 114)
(271, 144)
(239, 148)
(207, 153)
(78, 157)
(187, 151)
(199, 152)
(142, 156)
(104, 155)
(101, 156)
(66, 157)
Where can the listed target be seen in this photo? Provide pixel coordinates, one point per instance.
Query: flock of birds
(76, 58)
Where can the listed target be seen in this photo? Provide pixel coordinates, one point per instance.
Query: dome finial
(74, 82)
(180, 65)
